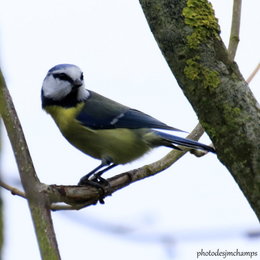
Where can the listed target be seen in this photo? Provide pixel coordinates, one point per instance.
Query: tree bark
(187, 33)
(38, 201)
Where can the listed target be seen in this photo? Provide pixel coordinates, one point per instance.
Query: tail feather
(173, 139)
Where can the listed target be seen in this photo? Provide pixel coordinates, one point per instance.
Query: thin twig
(13, 190)
(57, 207)
(252, 75)
(235, 28)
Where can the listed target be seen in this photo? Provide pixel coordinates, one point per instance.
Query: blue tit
(100, 127)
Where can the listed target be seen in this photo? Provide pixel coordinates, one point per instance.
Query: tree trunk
(187, 33)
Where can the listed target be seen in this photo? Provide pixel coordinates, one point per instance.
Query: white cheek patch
(83, 94)
(55, 89)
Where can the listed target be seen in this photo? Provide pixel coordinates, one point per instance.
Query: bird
(102, 128)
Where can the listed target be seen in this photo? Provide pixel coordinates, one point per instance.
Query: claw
(97, 185)
(94, 179)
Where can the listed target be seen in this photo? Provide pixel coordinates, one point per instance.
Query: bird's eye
(62, 76)
(81, 76)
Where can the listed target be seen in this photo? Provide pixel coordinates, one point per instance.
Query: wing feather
(102, 113)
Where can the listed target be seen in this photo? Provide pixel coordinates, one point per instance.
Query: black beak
(77, 83)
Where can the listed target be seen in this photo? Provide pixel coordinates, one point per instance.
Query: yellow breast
(120, 145)
(64, 117)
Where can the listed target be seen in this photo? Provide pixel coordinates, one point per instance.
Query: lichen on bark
(195, 71)
(200, 15)
(212, 83)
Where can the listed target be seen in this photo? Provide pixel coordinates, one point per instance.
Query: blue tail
(170, 140)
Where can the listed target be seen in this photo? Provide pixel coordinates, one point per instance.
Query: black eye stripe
(81, 76)
(63, 76)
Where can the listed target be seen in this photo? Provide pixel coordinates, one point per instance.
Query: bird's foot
(101, 184)
(100, 180)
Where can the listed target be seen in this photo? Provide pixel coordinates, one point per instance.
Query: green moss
(211, 78)
(232, 111)
(232, 116)
(195, 71)
(196, 38)
(210, 130)
(199, 14)
(229, 122)
(192, 69)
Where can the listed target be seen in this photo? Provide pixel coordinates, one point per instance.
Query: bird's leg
(97, 176)
(86, 178)
(94, 178)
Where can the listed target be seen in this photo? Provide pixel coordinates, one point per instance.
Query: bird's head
(64, 82)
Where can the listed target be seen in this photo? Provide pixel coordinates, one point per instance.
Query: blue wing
(103, 113)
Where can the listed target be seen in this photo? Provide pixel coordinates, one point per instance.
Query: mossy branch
(188, 35)
(233, 41)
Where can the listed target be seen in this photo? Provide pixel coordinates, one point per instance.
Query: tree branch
(235, 28)
(252, 75)
(187, 33)
(78, 197)
(233, 41)
(38, 201)
(13, 190)
(199, 153)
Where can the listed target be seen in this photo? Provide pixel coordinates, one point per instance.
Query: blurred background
(195, 205)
